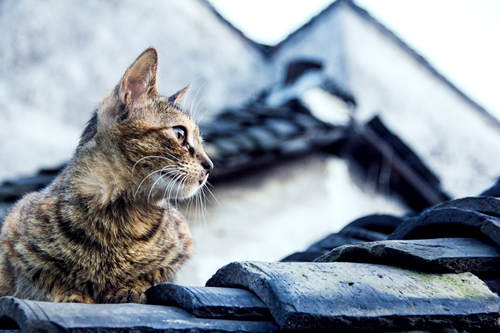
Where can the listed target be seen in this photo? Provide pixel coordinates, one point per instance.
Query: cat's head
(156, 141)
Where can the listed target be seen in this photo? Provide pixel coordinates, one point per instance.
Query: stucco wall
(322, 40)
(450, 134)
(59, 59)
(276, 212)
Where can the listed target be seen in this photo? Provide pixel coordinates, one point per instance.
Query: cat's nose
(207, 165)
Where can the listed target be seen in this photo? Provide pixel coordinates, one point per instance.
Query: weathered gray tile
(383, 223)
(484, 205)
(265, 139)
(362, 233)
(493, 191)
(493, 284)
(449, 222)
(282, 128)
(210, 302)
(33, 316)
(356, 296)
(455, 255)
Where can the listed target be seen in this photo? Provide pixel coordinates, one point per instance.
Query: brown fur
(103, 231)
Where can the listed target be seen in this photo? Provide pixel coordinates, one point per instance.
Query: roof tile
(438, 255)
(306, 296)
(210, 302)
(33, 316)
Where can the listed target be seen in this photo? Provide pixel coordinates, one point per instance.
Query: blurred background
(315, 112)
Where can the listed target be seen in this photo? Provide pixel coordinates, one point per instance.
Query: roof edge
(263, 48)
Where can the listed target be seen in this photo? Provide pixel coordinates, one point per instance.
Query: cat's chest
(142, 248)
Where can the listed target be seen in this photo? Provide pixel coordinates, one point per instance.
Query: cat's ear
(176, 98)
(140, 78)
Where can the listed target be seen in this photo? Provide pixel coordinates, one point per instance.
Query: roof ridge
(312, 20)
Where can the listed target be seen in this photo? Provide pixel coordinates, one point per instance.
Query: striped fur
(103, 231)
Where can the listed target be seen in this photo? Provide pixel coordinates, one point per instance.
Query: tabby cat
(103, 231)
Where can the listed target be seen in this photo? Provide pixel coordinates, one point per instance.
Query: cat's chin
(189, 191)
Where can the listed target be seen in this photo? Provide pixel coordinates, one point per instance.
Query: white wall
(59, 58)
(322, 40)
(451, 136)
(276, 212)
(447, 132)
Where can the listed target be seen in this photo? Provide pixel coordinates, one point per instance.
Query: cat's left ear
(176, 98)
(140, 78)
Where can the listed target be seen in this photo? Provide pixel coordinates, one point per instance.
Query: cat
(103, 231)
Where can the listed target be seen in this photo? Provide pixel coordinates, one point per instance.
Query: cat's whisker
(154, 184)
(168, 167)
(195, 102)
(208, 185)
(159, 178)
(171, 184)
(180, 187)
(199, 201)
(195, 200)
(204, 202)
(165, 191)
(189, 203)
(144, 179)
(197, 111)
(169, 187)
(189, 109)
(183, 182)
(174, 182)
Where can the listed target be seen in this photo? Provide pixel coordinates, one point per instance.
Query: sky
(460, 38)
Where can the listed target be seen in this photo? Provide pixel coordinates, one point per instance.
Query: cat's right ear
(139, 81)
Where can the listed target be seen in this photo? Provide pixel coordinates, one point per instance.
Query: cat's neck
(99, 176)
(96, 197)
(101, 179)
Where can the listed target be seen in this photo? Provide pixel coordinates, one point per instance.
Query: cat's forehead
(169, 114)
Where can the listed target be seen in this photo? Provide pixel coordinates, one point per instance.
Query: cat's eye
(180, 132)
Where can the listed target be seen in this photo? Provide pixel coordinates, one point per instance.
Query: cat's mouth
(203, 179)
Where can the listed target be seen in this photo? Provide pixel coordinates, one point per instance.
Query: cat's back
(31, 214)
(20, 216)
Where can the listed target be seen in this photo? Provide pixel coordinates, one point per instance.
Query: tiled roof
(419, 282)
(393, 166)
(494, 190)
(257, 135)
(379, 272)
(254, 136)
